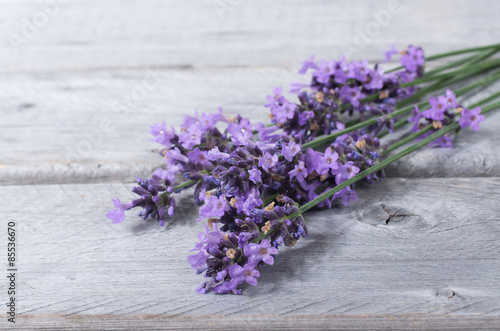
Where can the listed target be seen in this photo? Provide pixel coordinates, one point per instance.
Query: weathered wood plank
(101, 34)
(56, 128)
(268, 322)
(435, 261)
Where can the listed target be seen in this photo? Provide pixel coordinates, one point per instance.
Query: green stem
(461, 51)
(417, 134)
(452, 53)
(331, 137)
(406, 140)
(399, 124)
(454, 64)
(490, 108)
(402, 122)
(485, 100)
(451, 127)
(269, 199)
(484, 55)
(378, 167)
(475, 58)
(181, 186)
(471, 69)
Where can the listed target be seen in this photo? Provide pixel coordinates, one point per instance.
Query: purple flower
(275, 97)
(255, 174)
(268, 161)
(241, 139)
(213, 207)
(388, 54)
(225, 288)
(376, 79)
(214, 154)
(175, 154)
(344, 71)
(208, 239)
(471, 117)
(329, 161)
(413, 58)
(313, 160)
(243, 238)
(163, 174)
(443, 142)
(209, 121)
(290, 150)
(345, 172)
(241, 274)
(352, 94)
(304, 117)
(450, 99)
(266, 133)
(189, 120)
(199, 260)
(324, 71)
(362, 70)
(262, 252)
(162, 135)
(284, 112)
(346, 194)
(438, 107)
(242, 126)
(118, 214)
(192, 136)
(417, 115)
(308, 64)
(297, 87)
(171, 172)
(198, 156)
(311, 189)
(299, 172)
(253, 200)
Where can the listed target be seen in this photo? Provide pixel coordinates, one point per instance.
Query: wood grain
(413, 253)
(272, 322)
(85, 34)
(93, 127)
(417, 251)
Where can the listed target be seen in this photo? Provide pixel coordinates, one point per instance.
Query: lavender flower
(251, 232)
(308, 64)
(118, 214)
(162, 135)
(241, 274)
(299, 172)
(388, 54)
(346, 172)
(193, 153)
(338, 88)
(471, 117)
(413, 58)
(252, 189)
(214, 207)
(290, 150)
(415, 119)
(260, 252)
(268, 161)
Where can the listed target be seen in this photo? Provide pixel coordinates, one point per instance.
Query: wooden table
(79, 92)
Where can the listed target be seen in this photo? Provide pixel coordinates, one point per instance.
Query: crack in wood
(394, 215)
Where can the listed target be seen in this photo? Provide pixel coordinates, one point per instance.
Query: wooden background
(74, 133)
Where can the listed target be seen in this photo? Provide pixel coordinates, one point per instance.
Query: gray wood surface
(417, 251)
(92, 127)
(102, 34)
(427, 262)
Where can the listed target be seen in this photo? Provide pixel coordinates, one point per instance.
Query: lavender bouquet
(254, 182)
